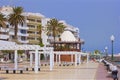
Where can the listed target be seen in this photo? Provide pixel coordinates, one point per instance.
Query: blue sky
(96, 19)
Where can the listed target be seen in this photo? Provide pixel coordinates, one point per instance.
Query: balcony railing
(23, 27)
(23, 41)
(4, 30)
(19, 34)
(2, 36)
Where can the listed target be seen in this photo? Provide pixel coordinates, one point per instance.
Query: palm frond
(16, 18)
(2, 20)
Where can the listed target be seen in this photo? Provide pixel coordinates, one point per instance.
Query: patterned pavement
(80, 72)
(102, 73)
(90, 71)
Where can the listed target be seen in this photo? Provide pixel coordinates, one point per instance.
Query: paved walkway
(90, 71)
(81, 72)
(102, 73)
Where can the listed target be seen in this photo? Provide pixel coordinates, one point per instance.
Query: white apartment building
(32, 22)
(8, 33)
(28, 33)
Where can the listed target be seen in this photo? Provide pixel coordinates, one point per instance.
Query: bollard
(14, 71)
(32, 69)
(7, 71)
(45, 64)
(21, 71)
(38, 69)
(26, 69)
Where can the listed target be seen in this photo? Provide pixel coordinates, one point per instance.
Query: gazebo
(67, 42)
(67, 47)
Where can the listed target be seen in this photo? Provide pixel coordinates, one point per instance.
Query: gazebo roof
(67, 36)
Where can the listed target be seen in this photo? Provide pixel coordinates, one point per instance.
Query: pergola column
(52, 56)
(79, 58)
(75, 59)
(51, 59)
(39, 59)
(44, 52)
(59, 59)
(72, 58)
(31, 59)
(56, 58)
(87, 58)
(36, 61)
(15, 59)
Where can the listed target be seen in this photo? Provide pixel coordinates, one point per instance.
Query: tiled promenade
(90, 71)
(102, 73)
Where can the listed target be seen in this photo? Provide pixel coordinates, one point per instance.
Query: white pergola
(44, 50)
(35, 48)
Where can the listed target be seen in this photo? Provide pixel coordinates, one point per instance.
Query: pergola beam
(34, 48)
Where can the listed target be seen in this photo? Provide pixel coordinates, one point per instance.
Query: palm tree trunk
(15, 35)
(54, 36)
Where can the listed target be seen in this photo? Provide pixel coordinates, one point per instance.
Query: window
(23, 31)
(12, 37)
(31, 38)
(31, 19)
(39, 21)
(23, 38)
(31, 26)
(31, 32)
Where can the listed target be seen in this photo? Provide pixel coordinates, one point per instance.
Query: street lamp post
(112, 38)
(106, 49)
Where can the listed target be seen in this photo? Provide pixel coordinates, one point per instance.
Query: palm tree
(16, 18)
(39, 28)
(54, 27)
(2, 20)
(97, 52)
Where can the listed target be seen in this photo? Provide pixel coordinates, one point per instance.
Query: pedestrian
(114, 73)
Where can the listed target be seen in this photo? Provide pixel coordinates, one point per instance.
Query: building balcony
(23, 41)
(19, 34)
(33, 42)
(34, 35)
(23, 27)
(32, 29)
(2, 36)
(33, 23)
(4, 30)
(31, 34)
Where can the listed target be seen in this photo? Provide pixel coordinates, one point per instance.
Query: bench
(44, 64)
(34, 69)
(14, 70)
(27, 68)
(112, 72)
(67, 64)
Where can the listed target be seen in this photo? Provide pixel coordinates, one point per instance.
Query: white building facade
(28, 34)
(8, 33)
